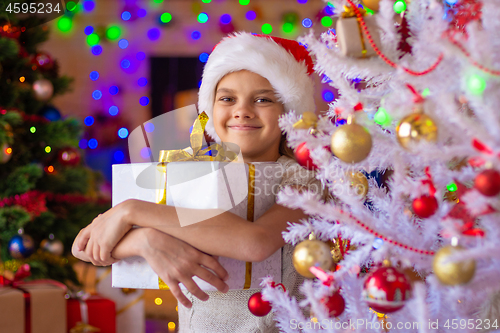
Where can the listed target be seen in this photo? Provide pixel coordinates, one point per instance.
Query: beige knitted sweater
(229, 312)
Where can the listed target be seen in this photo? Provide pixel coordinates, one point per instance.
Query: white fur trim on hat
(265, 57)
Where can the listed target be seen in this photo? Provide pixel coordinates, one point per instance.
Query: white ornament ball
(43, 90)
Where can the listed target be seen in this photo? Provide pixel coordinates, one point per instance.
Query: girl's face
(246, 112)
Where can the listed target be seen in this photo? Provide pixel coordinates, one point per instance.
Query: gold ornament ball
(310, 253)
(358, 183)
(416, 127)
(351, 143)
(371, 4)
(452, 273)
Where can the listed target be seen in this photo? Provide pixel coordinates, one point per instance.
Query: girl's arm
(221, 234)
(173, 260)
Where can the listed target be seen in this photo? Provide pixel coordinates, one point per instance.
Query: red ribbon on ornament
(322, 275)
(428, 181)
(481, 147)
(417, 97)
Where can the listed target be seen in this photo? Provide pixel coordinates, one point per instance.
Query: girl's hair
(284, 149)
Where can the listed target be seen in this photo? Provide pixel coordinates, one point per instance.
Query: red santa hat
(285, 63)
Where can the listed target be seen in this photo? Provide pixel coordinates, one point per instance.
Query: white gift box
(222, 186)
(352, 40)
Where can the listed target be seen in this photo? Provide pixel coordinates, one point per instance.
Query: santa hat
(285, 63)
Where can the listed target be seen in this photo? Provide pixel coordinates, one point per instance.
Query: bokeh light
(64, 24)
(203, 57)
(141, 12)
(96, 94)
(89, 121)
(328, 95)
(145, 152)
(144, 101)
(381, 117)
(88, 5)
(113, 110)
(244, 2)
(92, 143)
(126, 16)
(196, 35)
(96, 50)
(225, 19)
(140, 56)
(326, 21)
(203, 18)
(149, 127)
(113, 32)
(71, 6)
(123, 44)
(48, 149)
(88, 30)
(154, 34)
(142, 81)
(166, 17)
(94, 75)
(123, 132)
(93, 39)
(125, 63)
(476, 84)
(32, 129)
(302, 1)
(266, 28)
(113, 90)
(83, 143)
(307, 23)
(251, 15)
(399, 6)
(287, 27)
(119, 156)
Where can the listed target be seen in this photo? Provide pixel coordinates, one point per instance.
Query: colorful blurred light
(92, 39)
(32, 129)
(328, 95)
(48, 149)
(119, 156)
(88, 5)
(140, 56)
(266, 28)
(113, 110)
(83, 143)
(96, 50)
(225, 19)
(329, 9)
(167, 17)
(92, 143)
(89, 121)
(399, 6)
(64, 24)
(142, 81)
(123, 44)
(302, 1)
(144, 101)
(94, 75)
(203, 18)
(244, 2)
(125, 63)
(203, 57)
(326, 21)
(113, 90)
(287, 27)
(96, 94)
(113, 32)
(126, 15)
(206, 1)
(381, 117)
(123, 132)
(71, 6)
(196, 35)
(88, 30)
(251, 15)
(145, 152)
(141, 12)
(307, 23)
(476, 84)
(154, 34)
(149, 127)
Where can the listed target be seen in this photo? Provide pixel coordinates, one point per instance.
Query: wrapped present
(351, 39)
(12, 310)
(129, 303)
(198, 178)
(90, 314)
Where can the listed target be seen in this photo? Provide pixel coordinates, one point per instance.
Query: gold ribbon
(250, 217)
(83, 328)
(195, 152)
(129, 305)
(348, 13)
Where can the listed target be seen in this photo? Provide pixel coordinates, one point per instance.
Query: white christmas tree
(419, 98)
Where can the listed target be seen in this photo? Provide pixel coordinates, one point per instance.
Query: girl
(248, 82)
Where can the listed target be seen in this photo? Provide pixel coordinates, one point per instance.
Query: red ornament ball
(425, 206)
(43, 60)
(334, 303)
(257, 306)
(303, 158)
(488, 183)
(386, 289)
(69, 156)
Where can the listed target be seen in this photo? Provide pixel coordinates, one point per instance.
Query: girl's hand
(177, 262)
(100, 237)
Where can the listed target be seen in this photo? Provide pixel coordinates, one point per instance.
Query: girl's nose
(243, 111)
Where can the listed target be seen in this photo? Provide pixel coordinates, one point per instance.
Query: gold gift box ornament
(351, 39)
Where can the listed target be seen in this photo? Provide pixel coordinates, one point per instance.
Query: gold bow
(197, 154)
(308, 120)
(84, 328)
(349, 12)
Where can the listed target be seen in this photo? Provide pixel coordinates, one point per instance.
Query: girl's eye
(263, 100)
(225, 99)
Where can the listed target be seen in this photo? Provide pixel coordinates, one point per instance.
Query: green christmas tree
(46, 193)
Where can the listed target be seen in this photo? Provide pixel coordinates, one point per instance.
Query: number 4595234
(39, 8)
(470, 324)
